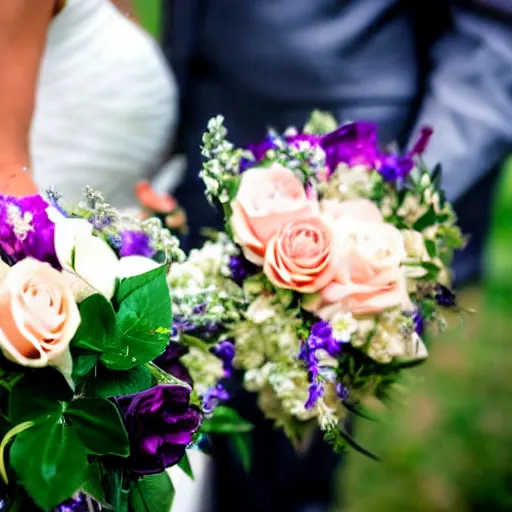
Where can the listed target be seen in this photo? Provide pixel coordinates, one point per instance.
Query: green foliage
(108, 383)
(153, 493)
(225, 420)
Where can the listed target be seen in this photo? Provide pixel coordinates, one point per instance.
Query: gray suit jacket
(270, 62)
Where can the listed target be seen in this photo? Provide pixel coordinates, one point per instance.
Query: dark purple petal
(341, 391)
(160, 423)
(134, 243)
(444, 296)
(169, 361)
(421, 144)
(419, 322)
(225, 351)
(241, 268)
(393, 167)
(352, 144)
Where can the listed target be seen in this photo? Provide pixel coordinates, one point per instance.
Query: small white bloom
(261, 309)
(343, 326)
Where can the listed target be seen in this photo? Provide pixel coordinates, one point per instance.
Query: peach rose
(300, 256)
(368, 276)
(38, 314)
(360, 209)
(267, 199)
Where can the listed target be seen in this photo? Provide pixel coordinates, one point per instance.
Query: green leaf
(153, 493)
(109, 383)
(141, 323)
(97, 325)
(130, 284)
(243, 447)
(431, 247)
(38, 395)
(185, 466)
(226, 421)
(83, 363)
(99, 426)
(50, 462)
(356, 446)
(426, 220)
(93, 483)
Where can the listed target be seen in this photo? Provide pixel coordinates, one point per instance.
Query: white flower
(343, 326)
(131, 266)
(86, 256)
(261, 309)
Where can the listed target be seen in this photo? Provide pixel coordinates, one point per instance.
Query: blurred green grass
(149, 14)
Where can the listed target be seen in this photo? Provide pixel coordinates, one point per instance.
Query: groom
(402, 64)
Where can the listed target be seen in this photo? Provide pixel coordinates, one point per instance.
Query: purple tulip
(160, 423)
(170, 362)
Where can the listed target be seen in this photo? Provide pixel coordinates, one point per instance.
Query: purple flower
(213, 397)
(316, 391)
(170, 362)
(259, 150)
(33, 237)
(160, 424)
(341, 391)
(419, 322)
(352, 144)
(444, 296)
(320, 338)
(135, 243)
(421, 144)
(394, 167)
(80, 503)
(241, 268)
(295, 140)
(225, 351)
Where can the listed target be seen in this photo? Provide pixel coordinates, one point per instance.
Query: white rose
(131, 266)
(87, 257)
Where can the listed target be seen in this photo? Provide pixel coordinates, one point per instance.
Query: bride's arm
(23, 27)
(126, 7)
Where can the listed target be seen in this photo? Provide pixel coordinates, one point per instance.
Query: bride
(85, 98)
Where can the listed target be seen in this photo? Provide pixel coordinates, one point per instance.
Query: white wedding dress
(106, 105)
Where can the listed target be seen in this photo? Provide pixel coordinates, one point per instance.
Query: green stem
(18, 429)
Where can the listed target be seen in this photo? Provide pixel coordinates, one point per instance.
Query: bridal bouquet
(95, 402)
(333, 264)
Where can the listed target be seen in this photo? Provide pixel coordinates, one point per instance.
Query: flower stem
(18, 429)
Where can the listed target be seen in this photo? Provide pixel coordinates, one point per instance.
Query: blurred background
(447, 445)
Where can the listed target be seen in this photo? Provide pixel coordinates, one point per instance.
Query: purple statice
(320, 338)
(225, 351)
(136, 243)
(352, 144)
(296, 139)
(170, 362)
(316, 391)
(341, 391)
(419, 322)
(26, 230)
(258, 150)
(445, 297)
(80, 503)
(241, 268)
(160, 423)
(213, 397)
